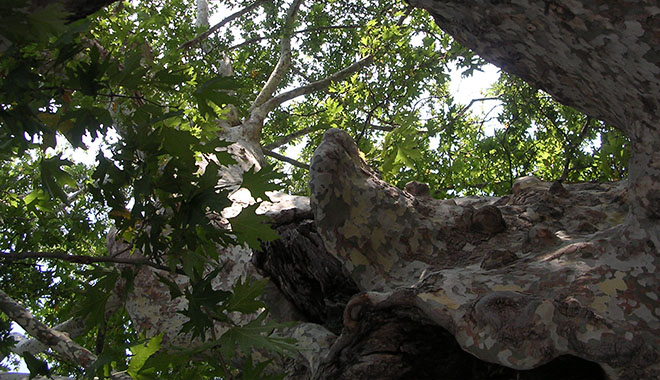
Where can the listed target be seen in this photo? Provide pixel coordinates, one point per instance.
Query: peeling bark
(561, 275)
(552, 277)
(601, 57)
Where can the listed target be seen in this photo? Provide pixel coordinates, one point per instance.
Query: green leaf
(92, 300)
(251, 228)
(258, 182)
(37, 367)
(53, 177)
(244, 296)
(203, 304)
(176, 142)
(258, 334)
(142, 352)
(172, 286)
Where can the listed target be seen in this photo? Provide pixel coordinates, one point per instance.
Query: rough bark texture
(551, 270)
(551, 278)
(600, 57)
(518, 280)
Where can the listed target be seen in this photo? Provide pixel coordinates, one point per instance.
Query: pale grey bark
(58, 341)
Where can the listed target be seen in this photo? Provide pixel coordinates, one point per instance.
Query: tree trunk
(553, 281)
(549, 271)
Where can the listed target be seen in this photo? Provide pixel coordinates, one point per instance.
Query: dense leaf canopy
(144, 80)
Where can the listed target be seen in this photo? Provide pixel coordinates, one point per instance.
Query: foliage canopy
(135, 77)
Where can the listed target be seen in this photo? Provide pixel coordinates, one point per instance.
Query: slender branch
(325, 83)
(291, 161)
(80, 259)
(288, 138)
(285, 58)
(384, 128)
(570, 151)
(464, 109)
(318, 85)
(301, 31)
(26, 376)
(214, 28)
(299, 72)
(58, 341)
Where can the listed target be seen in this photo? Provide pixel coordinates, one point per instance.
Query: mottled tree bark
(559, 274)
(549, 271)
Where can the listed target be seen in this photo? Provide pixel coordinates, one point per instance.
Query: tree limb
(291, 161)
(60, 342)
(307, 30)
(226, 20)
(285, 58)
(323, 83)
(318, 85)
(570, 151)
(288, 138)
(81, 259)
(26, 376)
(73, 327)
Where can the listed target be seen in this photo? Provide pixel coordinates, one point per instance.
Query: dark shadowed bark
(77, 9)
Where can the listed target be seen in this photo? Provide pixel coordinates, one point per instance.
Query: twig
(570, 151)
(464, 109)
(80, 259)
(291, 161)
(214, 28)
(301, 31)
(288, 138)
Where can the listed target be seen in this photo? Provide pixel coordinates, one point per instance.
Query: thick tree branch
(72, 327)
(60, 342)
(225, 21)
(285, 58)
(202, 18)
(291, 161)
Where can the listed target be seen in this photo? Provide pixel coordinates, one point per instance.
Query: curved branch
(288, 160)
(288, 138)
(318, 85)
(285, 58)
(214, 28)
(81, 259)
(58, 341)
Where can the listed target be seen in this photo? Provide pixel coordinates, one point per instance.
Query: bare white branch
(285, 57)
